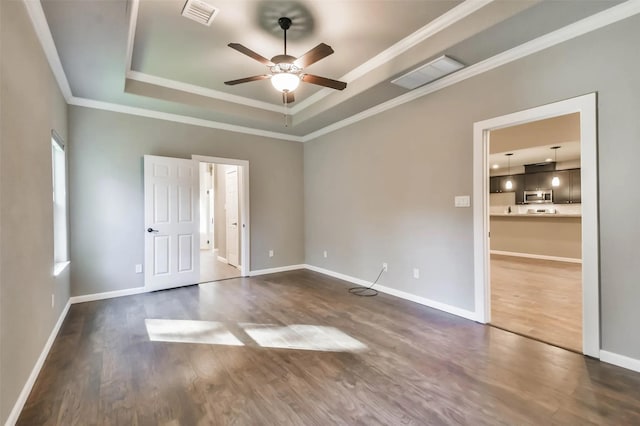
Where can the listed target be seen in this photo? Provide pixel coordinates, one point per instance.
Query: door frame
(586, 105)
(243, 205)
(227, 211)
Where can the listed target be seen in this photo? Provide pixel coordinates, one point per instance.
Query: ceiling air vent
(428, 72)
(199, 11)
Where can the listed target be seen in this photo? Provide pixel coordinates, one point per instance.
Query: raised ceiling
(143, 54)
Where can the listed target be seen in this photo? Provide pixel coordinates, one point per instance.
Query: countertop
(536, 215)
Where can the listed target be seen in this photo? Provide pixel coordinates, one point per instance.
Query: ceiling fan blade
(250, 53)
(288, 98)
(247, 79)
(314, 55)
(322, 81)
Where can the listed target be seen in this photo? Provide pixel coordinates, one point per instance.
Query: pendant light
(556, 180)
(509, 184)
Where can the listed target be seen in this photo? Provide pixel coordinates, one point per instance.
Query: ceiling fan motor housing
(284, 63)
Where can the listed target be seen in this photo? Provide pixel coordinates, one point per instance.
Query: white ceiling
(143, 54)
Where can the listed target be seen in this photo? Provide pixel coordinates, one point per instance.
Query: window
(60, 250)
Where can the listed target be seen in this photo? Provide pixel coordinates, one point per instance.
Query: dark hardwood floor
(296, 349)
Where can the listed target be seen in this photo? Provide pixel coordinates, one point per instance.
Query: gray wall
(382, 190)
(107, 223)
(32, 106)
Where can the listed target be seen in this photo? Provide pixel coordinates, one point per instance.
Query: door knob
(235, 224)
(152, 230)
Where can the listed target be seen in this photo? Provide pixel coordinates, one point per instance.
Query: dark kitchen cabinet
(569, 191)
(497, 184)
(538, 181)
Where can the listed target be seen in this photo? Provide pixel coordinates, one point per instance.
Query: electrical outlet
(139, 268)
(270, 253)
(324, 254)
(416, 273)
(53, 300)
(385, 267)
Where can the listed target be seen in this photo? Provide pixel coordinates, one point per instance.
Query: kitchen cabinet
(497, 184)
(538, 181)
(569, 191)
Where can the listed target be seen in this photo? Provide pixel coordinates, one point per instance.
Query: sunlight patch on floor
(188, 331)
(295, 336)
(304, 337)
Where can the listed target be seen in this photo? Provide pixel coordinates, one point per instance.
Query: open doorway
(589, 268)
(535, 222)
(220, 242)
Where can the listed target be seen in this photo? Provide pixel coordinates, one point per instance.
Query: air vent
(429, 72)
(199, 11)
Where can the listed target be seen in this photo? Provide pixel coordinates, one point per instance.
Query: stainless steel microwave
(544, 196)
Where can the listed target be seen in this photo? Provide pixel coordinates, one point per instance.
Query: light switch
(462, 201)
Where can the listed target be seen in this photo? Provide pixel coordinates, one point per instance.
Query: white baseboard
(401, 294)
(537, 256)
(26, 389)
(620, 360)
(222, 259)
(108, 295)
(274, 270)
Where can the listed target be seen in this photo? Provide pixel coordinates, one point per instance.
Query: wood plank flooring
(541, 299)
(418, 365)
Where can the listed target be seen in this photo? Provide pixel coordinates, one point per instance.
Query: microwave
(544, 196)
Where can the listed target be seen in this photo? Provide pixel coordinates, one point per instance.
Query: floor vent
(429, 72)
(199, 11)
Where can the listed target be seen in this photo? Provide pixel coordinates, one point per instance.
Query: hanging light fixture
(556, 180)
(509, 184)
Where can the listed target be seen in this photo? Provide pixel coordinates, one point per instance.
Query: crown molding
(143, 112)
(41, 27)
(584, 26)
(442, 22)
(201, 91)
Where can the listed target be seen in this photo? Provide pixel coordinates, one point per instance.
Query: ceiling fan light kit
(286, 71)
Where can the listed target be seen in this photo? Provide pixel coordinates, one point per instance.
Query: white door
(233, 233)
(171, 213)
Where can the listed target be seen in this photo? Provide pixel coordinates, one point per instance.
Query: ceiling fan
(287, 71)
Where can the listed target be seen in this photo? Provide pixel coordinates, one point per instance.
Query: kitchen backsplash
(499, 203)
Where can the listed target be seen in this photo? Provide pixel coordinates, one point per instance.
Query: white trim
(131, 34)
(35, 371)
(143, 112)
(584, 26)
(108, 295)
(536, 256)
(620, 360)
(244, 205)
(586, 106)
(440, 23)
(399, 293)
(591, 23)
(222, 259)
(202, 91)
(58, 267)
(41, 27)
(276, 270)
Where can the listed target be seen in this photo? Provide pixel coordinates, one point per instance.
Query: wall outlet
(270, 253)
(53, 300)
(416, 273)
(324, 254)
(139, 268)
(385, 267)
